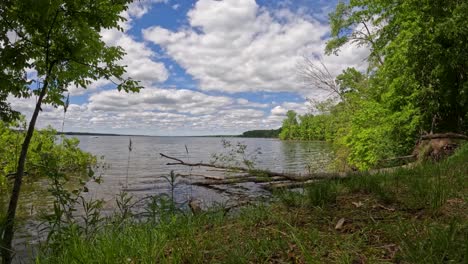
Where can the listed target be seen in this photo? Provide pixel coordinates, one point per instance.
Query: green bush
(45, 145)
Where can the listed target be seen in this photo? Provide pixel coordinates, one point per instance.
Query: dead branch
(289, 176)
(239, 180)
(316, 74)
(200, 164)
(287, 185)
(444, 135)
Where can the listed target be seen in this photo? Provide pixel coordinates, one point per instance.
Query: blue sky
(208, 67)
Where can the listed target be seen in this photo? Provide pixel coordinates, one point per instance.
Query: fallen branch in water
(239, 180)
(270, 180)
(200, 164)
(257, 176)
(287, 185)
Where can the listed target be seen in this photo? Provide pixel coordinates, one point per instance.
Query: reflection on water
(146, 168)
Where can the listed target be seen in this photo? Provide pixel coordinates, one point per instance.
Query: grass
(413, 215)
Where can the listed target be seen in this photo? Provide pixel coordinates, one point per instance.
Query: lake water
(143, 174)
(146, 168)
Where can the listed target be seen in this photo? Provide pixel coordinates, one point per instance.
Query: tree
(416, 82)
(422, 54)
(289, 127)
(60, 39)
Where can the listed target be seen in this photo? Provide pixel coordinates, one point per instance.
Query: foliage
(289, 127)
(70, 158)
(416, 82)
(64, 165)
(60, 40)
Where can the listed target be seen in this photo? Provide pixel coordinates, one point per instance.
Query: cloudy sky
(208, 67)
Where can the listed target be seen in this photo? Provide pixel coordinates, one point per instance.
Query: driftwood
(444, 135)
(269, 180)
(287, 185)
(399, 158)
(239, 180)
(289, 176)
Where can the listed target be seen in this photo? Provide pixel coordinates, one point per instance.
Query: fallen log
(399, 158)
(444, 135)
(269, 180)
(239, 180)
(289, 176)
(286, 185)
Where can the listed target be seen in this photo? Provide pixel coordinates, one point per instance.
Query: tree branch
(370, 39)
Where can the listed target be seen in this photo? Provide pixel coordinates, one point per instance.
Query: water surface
(146, 168)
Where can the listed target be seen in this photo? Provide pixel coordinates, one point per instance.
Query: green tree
(417, 77)
(289, 129)
(421, 50)
(60, 39)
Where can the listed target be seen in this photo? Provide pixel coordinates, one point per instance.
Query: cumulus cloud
(155, 111)
(237, 46)
(140, 60)
(156, 99)
(279, 111)
(229, 46)
(74, 90)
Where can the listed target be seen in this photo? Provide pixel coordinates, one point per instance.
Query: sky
(209, 67)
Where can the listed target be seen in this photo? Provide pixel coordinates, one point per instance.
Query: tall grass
(435, 243)
(130, 148)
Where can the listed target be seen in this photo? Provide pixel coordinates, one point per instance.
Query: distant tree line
(272, 133)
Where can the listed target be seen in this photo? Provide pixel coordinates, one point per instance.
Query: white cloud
(140, 60)
(300, 108)
(156, 99)
(229, 46)
(75, 90)
(155, 111)
(279, 111)
(237, 46)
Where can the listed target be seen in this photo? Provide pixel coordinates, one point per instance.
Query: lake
(146, 168)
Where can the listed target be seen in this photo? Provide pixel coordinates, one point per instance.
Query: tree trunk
(10, 219)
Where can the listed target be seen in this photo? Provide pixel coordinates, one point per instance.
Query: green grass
(414, 215)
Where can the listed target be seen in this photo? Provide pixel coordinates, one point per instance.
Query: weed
(321, 193)
(290, 198)
(124, 206)
(435, 243)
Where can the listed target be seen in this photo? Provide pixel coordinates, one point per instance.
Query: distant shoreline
(125, 135)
